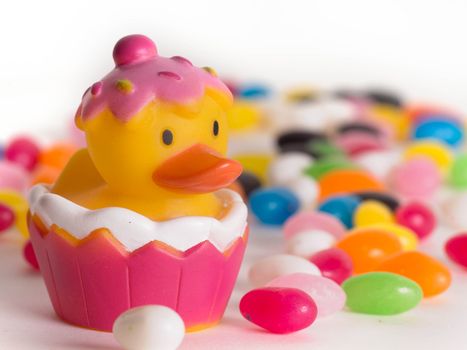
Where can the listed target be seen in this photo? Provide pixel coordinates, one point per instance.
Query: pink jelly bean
(313, 220)
(416, 178)
(7, 217)
(334, 264)
(418, 217)
(279, 310)
(24, 152)
(30, 255)
(13, 177)
(356, 143)
(456, 249)
(327, 294)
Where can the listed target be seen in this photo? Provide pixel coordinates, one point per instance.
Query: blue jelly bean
(253, 91)
(274, 205)
(440, 128)
(342, 208)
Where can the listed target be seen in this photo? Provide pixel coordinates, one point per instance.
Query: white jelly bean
(274, 266)
(379, 163)
(151, 327)
(287, 167)
(454, 210)
(307, 243)
(305, 188)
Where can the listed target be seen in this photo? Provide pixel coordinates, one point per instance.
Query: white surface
(27, 321)
(53, 50)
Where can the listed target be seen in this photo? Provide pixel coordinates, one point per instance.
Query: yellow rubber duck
(156, 131)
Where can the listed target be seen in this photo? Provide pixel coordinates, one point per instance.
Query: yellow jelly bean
(301, 94)
(20, 206)
(394, 117)
(243, 116)
(372, 212)
(435, 150)
(407, 237)
(257, 164)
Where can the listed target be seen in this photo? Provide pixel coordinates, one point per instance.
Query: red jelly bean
(30, 256)
(23, 151)
(279, 310)
(418, 217)
(456, 249)
(7, 217)
(334, 264)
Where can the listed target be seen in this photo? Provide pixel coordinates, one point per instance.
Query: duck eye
(167, 137)
(215, 128)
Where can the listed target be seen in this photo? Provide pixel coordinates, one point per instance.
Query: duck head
(158, 124)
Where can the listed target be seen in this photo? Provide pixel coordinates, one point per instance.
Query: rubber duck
(156, 132)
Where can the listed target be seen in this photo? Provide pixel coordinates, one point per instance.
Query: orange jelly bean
(57, 156)
(432, 276)
(347, 180)
(45, 174)
(369, 247)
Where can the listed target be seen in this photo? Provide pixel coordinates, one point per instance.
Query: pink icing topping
(151, 76)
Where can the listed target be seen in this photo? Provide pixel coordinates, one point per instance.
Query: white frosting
(134, 230)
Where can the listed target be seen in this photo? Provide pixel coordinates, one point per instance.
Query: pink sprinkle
(133, 49)
(96, 88)
(170, 75)
(182, 60)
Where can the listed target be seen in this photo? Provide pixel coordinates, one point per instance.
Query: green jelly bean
(325, 165)
(458, 172)
(381, 293)
(325, 148)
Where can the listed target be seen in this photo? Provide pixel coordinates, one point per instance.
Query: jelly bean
(406, 236)
(13, 177)
(253, 91)
(243, 115)
(20, 207)
(417, 217)
(385, 198)
(307, 243)
(381, 293)
(273, 266)
(454, 210)
(395, 118)
(298, 137)
(301, 94)
(150, 327)
(406, 179)
(341, 207)
(273, 206)
(312, 220)
(257, 164)
(287, 167)
(345, 181)
(458, 172)
(435, 150)
(448, 131)
(323, 148)
(369, 247)
(327, 294)
(279, 310)
(23, 151)
(326, 165)
(45, 174)
(359, 126)
(456, 249)
(305, 189)
(378, 162)
(383, 97)
(334, 264)
(419, 112)
(430, 274)
(340, 110)
(7, 217)
(371, 212)
(355, 143)
(30, 255)
(249, 182)
(57, 155)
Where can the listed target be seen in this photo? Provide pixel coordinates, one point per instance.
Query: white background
(51, 51)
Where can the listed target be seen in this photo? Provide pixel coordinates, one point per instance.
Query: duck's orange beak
(198, 169)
